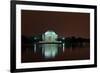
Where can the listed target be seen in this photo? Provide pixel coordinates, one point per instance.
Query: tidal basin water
(53, 52)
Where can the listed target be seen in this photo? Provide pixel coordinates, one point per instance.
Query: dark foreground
(69, 54)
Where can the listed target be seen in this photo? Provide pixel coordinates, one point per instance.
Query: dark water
(53, 52)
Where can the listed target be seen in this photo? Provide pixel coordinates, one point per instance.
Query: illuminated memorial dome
(50, 36)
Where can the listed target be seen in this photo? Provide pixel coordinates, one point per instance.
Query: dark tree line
(75, 42)
(70, 42)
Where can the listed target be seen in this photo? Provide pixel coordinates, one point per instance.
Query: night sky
(65, 24)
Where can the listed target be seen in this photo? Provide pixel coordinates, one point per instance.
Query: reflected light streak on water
(50, 50)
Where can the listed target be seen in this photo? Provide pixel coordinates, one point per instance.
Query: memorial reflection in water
(49, 44)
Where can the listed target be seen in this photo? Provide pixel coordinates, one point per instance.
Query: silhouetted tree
(67, 42)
